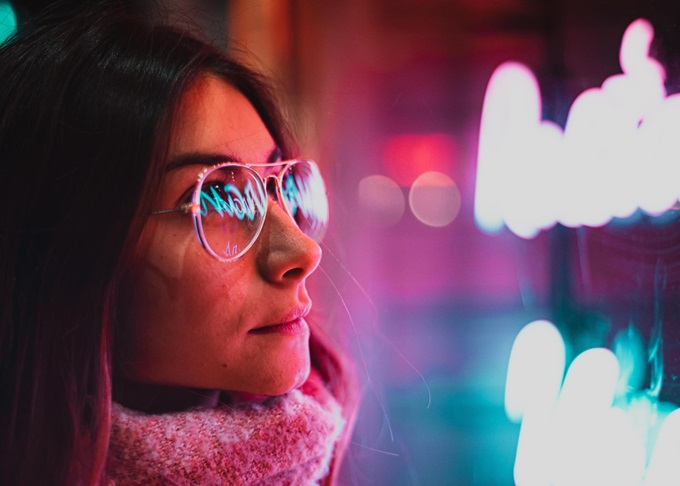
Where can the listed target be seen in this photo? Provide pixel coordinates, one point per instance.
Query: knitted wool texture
(287, 440)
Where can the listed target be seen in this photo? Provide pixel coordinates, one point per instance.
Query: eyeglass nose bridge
(274, 189)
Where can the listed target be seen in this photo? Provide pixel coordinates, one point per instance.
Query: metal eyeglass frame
(194, 206)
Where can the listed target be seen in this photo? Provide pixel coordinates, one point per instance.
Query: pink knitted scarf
(287, 440)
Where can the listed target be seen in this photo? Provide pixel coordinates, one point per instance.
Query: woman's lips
(296, 326)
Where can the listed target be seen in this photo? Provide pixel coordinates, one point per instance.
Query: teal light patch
(8, 21)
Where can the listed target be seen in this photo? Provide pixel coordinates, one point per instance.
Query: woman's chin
(278, 384)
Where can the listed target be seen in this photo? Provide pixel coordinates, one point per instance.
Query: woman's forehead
(214, 117)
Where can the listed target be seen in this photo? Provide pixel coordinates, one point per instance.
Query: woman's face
(190, 319)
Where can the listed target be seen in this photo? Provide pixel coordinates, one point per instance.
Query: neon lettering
(229, 250)
(595, 425)
(617, 153)
(239, 205)
(306, 195)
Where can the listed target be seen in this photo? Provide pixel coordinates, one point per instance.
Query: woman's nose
(284, 253)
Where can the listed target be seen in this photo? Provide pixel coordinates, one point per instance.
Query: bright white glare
(587, 429)
(590, 383)
(534, 461)
(511, 109)
(598, 447)
(381, 200)
(434, 199)
(596, 444)
(532, 387)
(535, 369)
(618, 152)
(664, 466)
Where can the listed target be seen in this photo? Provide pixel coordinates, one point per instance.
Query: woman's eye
(220, 178)
(214, 186)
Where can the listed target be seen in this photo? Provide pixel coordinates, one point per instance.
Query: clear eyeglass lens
(304, 194)
(233, 205)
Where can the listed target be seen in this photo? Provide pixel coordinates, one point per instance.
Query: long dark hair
(86, 103)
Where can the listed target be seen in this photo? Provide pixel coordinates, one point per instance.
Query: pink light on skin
(586, 429)
(618, 152)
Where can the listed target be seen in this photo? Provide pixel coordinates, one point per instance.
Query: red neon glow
(406, 157)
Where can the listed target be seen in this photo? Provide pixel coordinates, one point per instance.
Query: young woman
(156, 237)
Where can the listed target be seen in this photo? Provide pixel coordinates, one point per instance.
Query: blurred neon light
(407, 156)
(381, 200)
(535, 370)
(583, 430)
(619, 150)
(237, 205)
(532, 388)
(434, 199)
(664, 467)
(8, 20)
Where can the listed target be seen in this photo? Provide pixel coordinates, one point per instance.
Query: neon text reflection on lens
(304, 194)
(239, 205)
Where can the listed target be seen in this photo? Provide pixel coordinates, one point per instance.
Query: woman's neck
(154, 399)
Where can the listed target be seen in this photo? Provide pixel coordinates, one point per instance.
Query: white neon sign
(619, 150)
(592, 427)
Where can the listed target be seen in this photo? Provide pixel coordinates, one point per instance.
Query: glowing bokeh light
(598, 447)
(664, 466)
(381, 200)
(590, 383)
(513, 138)
(535, 369)
(595, 443)
(407, 156)
(8, 20)
(618, 151)
(434, 199)
(587, 429)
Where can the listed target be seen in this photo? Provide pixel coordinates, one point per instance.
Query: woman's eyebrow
(197, 158)
(208, 159)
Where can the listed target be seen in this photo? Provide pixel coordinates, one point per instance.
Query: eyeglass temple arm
(183, 208)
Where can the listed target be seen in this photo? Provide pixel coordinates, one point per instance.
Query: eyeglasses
(229, 203)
